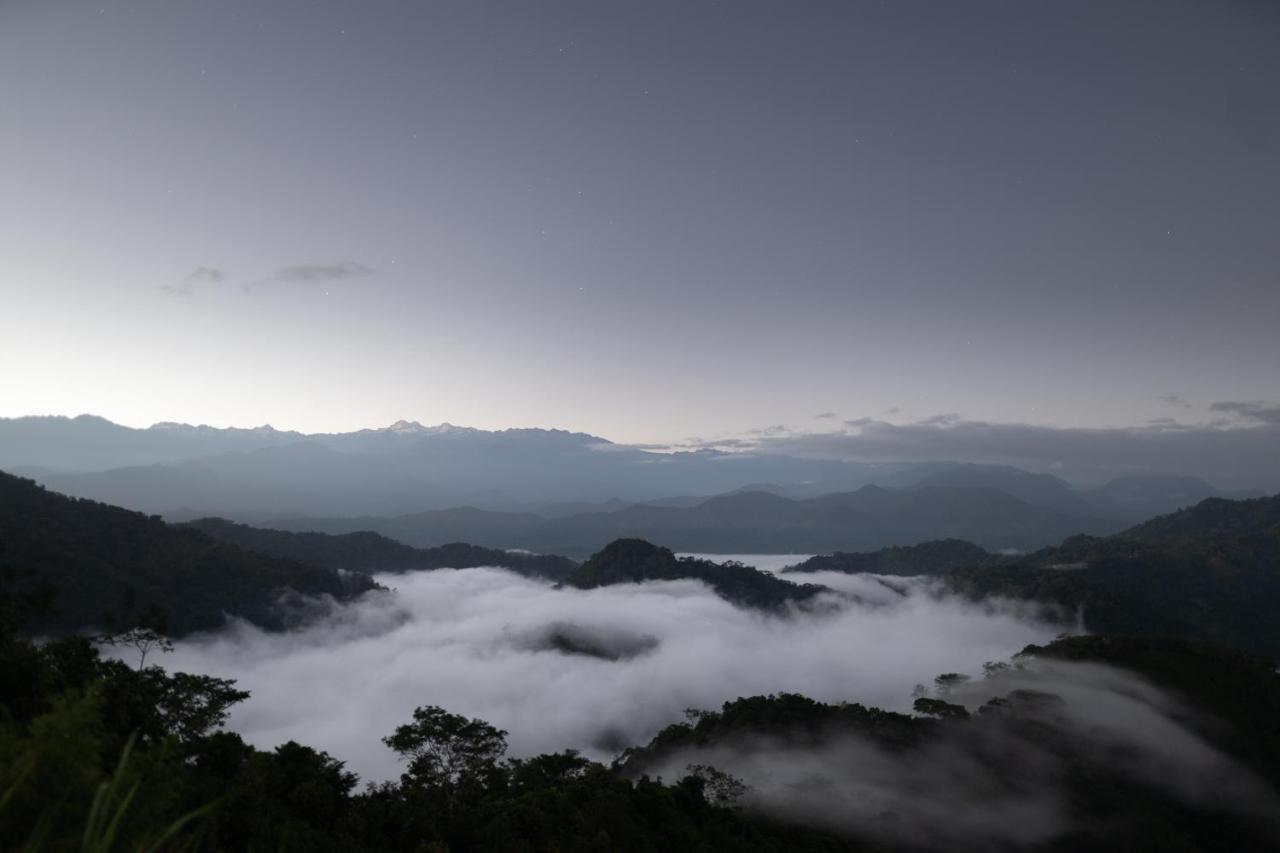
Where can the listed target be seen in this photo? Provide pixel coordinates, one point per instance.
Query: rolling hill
(111, 567)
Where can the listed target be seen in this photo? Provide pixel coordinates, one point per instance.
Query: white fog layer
(956, 788)
(595, 670)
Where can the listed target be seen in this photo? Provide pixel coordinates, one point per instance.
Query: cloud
(1266, 413)
(1241, 454)
(825, 416)
(314, 274)
(197, 277)
(1175, 400)
(994, 780)
(595, 670)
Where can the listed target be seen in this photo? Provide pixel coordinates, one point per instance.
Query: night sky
(655, 222)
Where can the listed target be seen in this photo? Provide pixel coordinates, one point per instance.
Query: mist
(595, 670)
(996, 780)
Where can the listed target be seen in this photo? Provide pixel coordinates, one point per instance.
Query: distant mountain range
(186, 472)
(747, 522)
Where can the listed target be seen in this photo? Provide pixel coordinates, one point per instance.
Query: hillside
(111, 567)
(1210, 572)
(634, 561)
(747, 522)
(1027, 732)
(369, 552)
(927, 558)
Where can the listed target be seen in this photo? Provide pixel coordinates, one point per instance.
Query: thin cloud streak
(312, 273)
(198, 277)
(1244, 454)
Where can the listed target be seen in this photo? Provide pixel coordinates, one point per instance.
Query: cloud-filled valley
(596, 670)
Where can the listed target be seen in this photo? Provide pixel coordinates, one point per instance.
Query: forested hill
(927, 558)
(111, 568)
(369, 552)
(979, 742)
(1210, 572)
(635, 560)
(1256, 519)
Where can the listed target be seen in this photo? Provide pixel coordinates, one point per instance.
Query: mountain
(927, 558)
(111, 567)
(1043, 490)
(1210, 572)
(747, 522)
(1126, 499)
(90, 443)
(635, 561)
(432, 528)
(192, 471)
(1137, 498)
(369, 552)
(405, 467)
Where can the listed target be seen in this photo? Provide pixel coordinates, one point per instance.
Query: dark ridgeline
(747, 522)
(369, 552)
(635, 561)
(112, 568)
(927, 558)
(1211, 572)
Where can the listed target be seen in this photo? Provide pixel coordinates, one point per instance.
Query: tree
(940, 708)
(142, 639)
(719, 788)
(949, 681)
(445, 750)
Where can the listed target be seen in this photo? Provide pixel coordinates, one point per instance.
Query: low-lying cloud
(596, 670)
(994, 780)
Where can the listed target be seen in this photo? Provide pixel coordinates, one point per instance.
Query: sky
(648, 221)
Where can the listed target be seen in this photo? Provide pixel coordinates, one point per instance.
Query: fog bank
(1000, 778)
(595, 670)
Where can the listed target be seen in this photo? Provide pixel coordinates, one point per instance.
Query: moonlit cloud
(489, 644)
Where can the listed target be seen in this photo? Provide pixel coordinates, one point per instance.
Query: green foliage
(445, 750)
